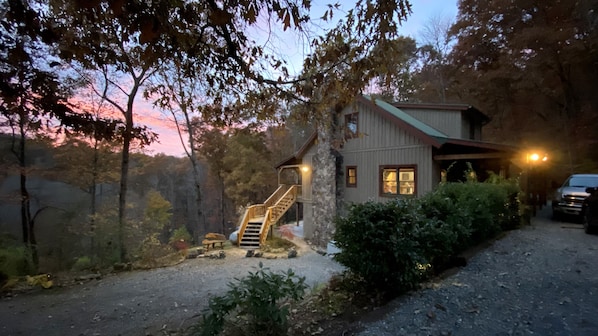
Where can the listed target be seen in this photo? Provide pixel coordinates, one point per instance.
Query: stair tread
(251, 235)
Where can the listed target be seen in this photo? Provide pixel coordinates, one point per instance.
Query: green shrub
(16, 261)
(105, 248)
(259, 298)
(151, 250)
(392, 245)
(377, 243)
(82, 264)
(448, 227)
(475, 211)
(180, 234)
(510, 217)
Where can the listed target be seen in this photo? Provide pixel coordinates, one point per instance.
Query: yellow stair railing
(275, 212)
(271, 210)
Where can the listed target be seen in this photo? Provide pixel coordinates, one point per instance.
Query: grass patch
(278, 243)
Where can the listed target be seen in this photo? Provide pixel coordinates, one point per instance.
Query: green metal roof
(396, 112)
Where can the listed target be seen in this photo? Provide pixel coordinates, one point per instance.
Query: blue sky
(422, 12)
(293, 46)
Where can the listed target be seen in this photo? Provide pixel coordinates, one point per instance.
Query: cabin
(391, 150)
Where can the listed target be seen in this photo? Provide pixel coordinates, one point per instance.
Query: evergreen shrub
(180, 238)
(378, 243)
(393, 245)
(258, 301)
(16, 261)
(82, 264)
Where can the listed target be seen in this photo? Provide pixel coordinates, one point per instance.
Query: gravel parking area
(540, 280)
(151, 302)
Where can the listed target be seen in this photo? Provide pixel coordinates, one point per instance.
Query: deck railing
(275, 212)
(257, 210)
(271, 210)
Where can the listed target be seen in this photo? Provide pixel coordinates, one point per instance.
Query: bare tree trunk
(222, 219)
(124, 174)
(198, 196)
(324, 184)
(92, 191)
(27, 224)
(122, 199)
(124, 171)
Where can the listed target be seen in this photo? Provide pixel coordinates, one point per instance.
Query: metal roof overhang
(458, 149)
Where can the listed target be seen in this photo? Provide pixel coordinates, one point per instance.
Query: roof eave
(414, 131)
(298, 155)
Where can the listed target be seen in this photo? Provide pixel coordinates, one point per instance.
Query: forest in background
(74, 191)
(532, 67)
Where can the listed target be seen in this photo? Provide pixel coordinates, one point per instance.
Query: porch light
(301, 168)
(535, 157)
(532, 159)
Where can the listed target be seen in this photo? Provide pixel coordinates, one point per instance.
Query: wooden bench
(212, 239)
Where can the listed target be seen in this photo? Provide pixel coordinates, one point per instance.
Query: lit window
(396, 180)
(351, 125)
(351, 177)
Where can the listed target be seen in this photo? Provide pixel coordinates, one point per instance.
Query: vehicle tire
(586, 223)
(556, 216)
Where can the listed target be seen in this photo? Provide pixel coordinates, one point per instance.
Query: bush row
(393, 246)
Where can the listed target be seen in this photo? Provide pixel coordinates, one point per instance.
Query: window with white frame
(352, 125)
(397, 180)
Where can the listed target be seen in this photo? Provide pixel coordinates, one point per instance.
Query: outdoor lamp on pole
(532, 159)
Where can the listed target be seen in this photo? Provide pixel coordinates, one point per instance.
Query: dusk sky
(161, 123)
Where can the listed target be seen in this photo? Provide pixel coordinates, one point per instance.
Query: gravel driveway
(540, 280)
(144, 302)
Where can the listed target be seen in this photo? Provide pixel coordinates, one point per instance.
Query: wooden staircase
(251, 237)
(258, 218)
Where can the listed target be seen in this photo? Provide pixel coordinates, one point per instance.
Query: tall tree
(179, 94)
(433, 76)
(32, 93)
(87, 160)
(211, 146)
(110, 41)
(533, 62)
(343, 62)
(249, 174)
(134, 37)
(397, 83)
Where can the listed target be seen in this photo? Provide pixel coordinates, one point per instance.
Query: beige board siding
(368, 170)
(447, 122)
(376, 132)
(382, 143)
(306, 193)
(307, 177)
(465, 130)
